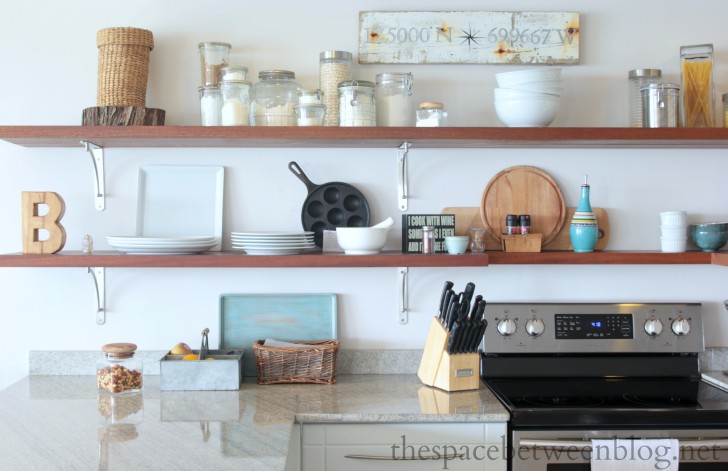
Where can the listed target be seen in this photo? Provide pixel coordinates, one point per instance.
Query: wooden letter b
(33, 222)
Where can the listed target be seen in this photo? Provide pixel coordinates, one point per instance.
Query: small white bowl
(674, 218)
(456, 245)
(361, 240)
(527, 113)
(538, 88)
(669, 244)
(512, 93)
(673, 232)
(509, 79)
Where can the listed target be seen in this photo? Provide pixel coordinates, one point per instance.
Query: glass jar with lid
(357, 105)
(213, 57)
(119, 372)
(234, 73)
(639, 79)
(210, 105)
(310, 97)
(698, 92)
(394, 99)
(235, 102)
(273, 97)
(431, 115)
(334, 67)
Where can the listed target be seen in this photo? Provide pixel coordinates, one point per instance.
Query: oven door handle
(578, 445)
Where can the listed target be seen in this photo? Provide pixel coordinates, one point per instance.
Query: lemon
(191, 356)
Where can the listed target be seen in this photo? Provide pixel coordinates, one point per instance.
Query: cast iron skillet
(331, 205)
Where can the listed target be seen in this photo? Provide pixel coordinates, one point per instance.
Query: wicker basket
(123, 66)
(316, 364)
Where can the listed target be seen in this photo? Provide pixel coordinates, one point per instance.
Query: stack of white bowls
(673, 231)
(528, 98)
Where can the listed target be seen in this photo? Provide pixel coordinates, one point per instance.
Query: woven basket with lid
(123, 66)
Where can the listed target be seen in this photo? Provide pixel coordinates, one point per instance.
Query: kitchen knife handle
(474, 309)
(443, 298)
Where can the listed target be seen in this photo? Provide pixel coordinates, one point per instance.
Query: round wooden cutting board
(524, 190)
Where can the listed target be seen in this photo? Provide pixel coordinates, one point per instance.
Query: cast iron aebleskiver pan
(331, 205)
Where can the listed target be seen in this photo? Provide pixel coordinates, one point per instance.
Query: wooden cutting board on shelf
(524, 190)
(469, 217)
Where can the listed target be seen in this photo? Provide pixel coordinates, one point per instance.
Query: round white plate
(272, 234)
(160, 240)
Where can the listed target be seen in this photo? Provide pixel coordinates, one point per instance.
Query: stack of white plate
(162, 245)
(272, 243)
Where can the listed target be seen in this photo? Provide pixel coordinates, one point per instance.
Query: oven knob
(534, 327)
(506, 327)
(681, 326)
(653, 326)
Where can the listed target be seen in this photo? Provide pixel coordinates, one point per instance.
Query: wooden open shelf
(338, 260)
(366, 137)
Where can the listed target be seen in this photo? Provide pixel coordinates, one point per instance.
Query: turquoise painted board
(245, 318)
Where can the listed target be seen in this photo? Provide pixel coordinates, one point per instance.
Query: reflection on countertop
(62, 422)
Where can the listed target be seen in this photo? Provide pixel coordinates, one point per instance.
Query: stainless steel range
(573, 373)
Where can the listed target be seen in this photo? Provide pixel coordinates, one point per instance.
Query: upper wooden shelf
(367, 137)
(338, 260)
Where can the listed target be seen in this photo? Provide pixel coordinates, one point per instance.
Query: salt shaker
(428, 239)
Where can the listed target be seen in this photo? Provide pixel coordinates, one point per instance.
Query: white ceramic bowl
(673, 232)
(537, 88)
(509, 79)
(674, 218)
(527, 113)
(673, 245)
(361, 240)
(512, 93)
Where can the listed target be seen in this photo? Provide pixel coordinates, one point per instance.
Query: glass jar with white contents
(334, 67)
(394, 99)
(273, 97)
(235, 102)
(234, 73)
(210, 105)
(357, 105)
(431, 115)
(310, 97)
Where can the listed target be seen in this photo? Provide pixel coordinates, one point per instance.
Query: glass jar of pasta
(698, 92)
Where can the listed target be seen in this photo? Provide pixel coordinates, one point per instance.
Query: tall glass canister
(334, 67)
(213, 57)
(638, 79)
(356, 103)
(394, 99)
(698, 91)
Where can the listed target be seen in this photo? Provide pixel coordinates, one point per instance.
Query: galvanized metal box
(223, 373)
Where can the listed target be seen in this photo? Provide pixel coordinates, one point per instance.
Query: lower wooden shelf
(339, 260)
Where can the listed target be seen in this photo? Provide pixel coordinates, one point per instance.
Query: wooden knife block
(456, 372)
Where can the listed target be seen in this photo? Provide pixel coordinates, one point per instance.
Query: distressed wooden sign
(468, 37)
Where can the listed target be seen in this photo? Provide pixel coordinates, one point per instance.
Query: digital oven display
(594, 326)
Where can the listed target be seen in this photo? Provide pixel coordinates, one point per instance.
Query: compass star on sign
(470, 37)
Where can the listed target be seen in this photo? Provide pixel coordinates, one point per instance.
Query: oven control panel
(594, 328)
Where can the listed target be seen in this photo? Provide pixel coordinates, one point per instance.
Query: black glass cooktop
(607, 402)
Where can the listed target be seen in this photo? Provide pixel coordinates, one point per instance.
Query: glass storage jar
(698, 92)
(213, 57)
(210, 106)
(334, 67)
(234, 73)
(119, 372)
(310, 114)
(394, 99)
(235, 102)
(356, 103)
(310, 97)
(431, 115)
(273, 97)
(639, 79)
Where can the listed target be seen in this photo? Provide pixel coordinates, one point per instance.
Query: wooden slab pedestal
(122, 116)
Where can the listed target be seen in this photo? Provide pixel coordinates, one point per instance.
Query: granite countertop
(63, 422)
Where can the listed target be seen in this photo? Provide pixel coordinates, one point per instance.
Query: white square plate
(180, 200)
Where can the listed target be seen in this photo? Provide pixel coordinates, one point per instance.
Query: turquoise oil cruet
(583, 230)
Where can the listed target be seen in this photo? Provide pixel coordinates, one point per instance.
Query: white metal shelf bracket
(99, 276)
(97, 156)
(402, 190)
(403, 295)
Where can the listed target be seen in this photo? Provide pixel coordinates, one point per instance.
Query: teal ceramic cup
(456, 245)
(709, 237)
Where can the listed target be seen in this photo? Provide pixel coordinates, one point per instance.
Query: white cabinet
(403, 446)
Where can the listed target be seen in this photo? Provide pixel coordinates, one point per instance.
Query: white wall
(49, 75)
